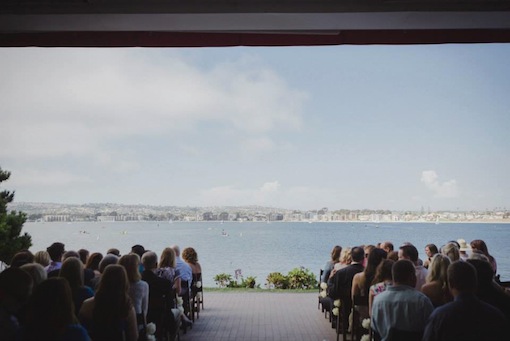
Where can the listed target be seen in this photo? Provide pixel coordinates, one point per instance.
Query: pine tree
(11, 224)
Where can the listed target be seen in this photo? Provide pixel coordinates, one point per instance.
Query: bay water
(259, 248)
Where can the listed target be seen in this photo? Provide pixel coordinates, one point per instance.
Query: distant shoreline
(289, 221)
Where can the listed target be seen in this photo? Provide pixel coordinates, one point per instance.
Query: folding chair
(196, 295)
(358, 302)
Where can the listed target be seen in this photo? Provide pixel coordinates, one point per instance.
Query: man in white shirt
(401, 307)
(182, 267)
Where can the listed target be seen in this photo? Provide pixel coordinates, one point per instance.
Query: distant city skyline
(111, 212)
(354, 127)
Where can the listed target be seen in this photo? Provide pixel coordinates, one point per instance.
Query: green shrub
(249, 282)
(301, 278)
(223, 280)
(277, 280)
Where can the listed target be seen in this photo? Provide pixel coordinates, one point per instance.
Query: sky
(343, 127)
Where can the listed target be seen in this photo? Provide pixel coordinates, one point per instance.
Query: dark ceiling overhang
(200, 23)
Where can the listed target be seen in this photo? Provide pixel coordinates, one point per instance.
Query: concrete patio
(257, 316)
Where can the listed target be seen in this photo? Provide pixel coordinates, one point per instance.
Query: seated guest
(387, 246)
(452, 251)
(436, 286)
(393, 255)
(340, 284)
(15, 289)
(466, 318)
(410, 252)
(183, 269)
(463, 249)
(479, 245)
(345, 260)
(113, 251)
(488, 290)
(191, 258)
(330, 264)
(88, 274)
(161, 295)
(36, 271)
(107, 260)
(430, 251)
(69, 254)
(368, 249)
(50, 314)
(138, 289)
(110, 315)
(22, 258)
(382, 280)
(361, 281)
(139, 250)
(401, 306)
(167, 269)
(93, 262)
(43, 258)
(72, 271)
(84, 255)
(56, 251)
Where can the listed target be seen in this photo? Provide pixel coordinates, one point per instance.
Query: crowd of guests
(77, 295)
(451, 294)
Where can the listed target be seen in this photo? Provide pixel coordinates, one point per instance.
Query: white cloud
(65, 101)
(447, 189)
(270, 187)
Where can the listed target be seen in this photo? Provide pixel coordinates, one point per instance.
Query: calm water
(260, 248)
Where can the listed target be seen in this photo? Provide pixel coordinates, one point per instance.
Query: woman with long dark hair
(110, 315)
(362, 281)
(382, 280)
(430, 251)
(479, 245)
(50, 314)
(72, 270)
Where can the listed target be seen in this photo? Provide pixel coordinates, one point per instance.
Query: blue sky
(379, 127)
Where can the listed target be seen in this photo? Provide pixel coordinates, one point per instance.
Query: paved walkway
(260, 316)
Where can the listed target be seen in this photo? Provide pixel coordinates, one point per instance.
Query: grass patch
(281, 291)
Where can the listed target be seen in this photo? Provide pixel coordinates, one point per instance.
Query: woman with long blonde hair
(138, 289)
(167, 268)
(436, 284)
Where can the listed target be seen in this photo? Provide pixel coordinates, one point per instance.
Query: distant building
(223, 216)
(208, 216)
(57, 217)
(106, 218)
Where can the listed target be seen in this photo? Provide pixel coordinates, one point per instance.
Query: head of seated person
(357, 254)
(404, 273)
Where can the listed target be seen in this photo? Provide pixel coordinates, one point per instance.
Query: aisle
(267, 316)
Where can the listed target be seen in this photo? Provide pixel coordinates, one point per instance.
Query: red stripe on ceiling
(178, 39)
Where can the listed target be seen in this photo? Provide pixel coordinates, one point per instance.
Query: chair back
(359, 310)
(404, 335)
(196, 278)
